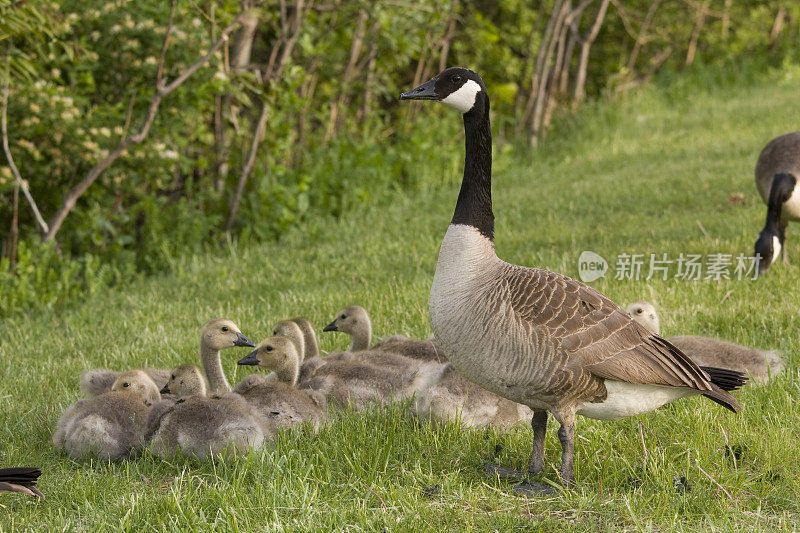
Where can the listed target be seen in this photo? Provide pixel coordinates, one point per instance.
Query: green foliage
(83, 74)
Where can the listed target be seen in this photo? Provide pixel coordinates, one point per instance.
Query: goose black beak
(165, 389)
(426, 91)
(250, 359)
(241, 340)
(331, 327)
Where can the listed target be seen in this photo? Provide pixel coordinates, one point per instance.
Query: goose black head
(767, 249)
(457, 87)
(770, 242)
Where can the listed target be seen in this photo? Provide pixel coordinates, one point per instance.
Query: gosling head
(645, 314)
(220, 333)
(276, 353)
(349, 320)
(185, 381)
(139, 383)
(459, 88)
(292, 331)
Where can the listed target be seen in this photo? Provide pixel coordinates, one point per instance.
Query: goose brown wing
(594, 334)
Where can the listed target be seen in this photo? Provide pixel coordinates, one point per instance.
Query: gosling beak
(331, 327)
(241, 340)
(250, 359)
(426, 91)
(165, 389)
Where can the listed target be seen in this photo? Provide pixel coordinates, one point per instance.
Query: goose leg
(539, 425)
(566, 434)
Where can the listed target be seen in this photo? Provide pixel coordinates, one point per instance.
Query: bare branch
(14, 170)
(164, 45)
(289, 41)
(158, 94)
(258, 135)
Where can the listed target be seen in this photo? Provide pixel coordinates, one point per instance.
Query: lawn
(654, 172)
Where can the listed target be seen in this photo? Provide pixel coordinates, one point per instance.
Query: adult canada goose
(538, 337)
(20, 479)
(454, 397)
(777, 171)
(200, 426)
(706, 351)
(110, 425)
(280, 401)
(354, 320)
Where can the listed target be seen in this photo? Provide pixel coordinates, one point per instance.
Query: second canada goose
(110, 425)
(538, 337)
(280, 401)
(201, 426)
(20, 479)
(777, 172)
(706, 351)
(354, 320)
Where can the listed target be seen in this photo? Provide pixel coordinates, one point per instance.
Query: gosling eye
(172, 377)
(639, 311)
(270, 348)
(126, 384)
(224, 328)
(274, 331)
(343, 317)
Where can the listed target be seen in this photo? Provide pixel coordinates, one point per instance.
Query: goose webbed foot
(504, 472)
(529, 489)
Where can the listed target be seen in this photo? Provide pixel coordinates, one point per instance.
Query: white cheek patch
(776, 248)
(464, 98)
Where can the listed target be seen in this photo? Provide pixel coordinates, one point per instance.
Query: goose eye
(456, 78)
(224, 328)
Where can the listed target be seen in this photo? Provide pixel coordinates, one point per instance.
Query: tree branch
(159, 93)
(4, 127)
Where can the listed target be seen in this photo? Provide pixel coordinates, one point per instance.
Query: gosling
(109, 426)
(354, 320)
(280, 401)
(706, 351)
(201, 426)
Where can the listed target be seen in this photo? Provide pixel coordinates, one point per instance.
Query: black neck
(474, 206)
(781, 190)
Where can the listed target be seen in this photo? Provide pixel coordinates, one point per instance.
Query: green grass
(635, 176)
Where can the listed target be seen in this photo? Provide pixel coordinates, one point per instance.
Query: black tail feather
(726, 379)
(20, 475)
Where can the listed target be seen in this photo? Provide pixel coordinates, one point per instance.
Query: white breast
(630, 399)
(470, 328)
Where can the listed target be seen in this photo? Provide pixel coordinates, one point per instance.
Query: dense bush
(81, 76)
